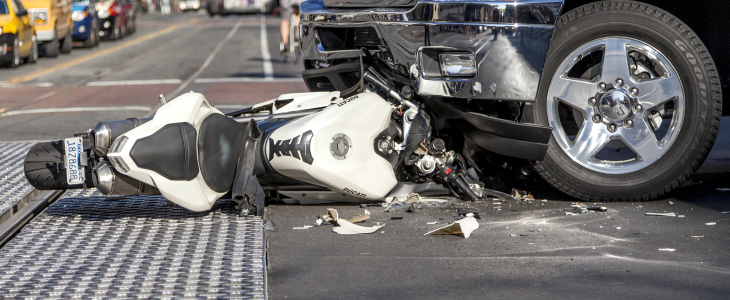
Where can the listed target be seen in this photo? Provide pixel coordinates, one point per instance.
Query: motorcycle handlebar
(382, 85)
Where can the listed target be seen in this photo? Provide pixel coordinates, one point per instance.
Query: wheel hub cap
(615, 106)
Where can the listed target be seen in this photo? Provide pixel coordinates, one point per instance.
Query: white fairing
(194, 195)
(362, 173)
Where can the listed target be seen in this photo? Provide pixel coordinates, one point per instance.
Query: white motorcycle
(315, 147)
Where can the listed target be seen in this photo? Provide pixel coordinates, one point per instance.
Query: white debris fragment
(725, 212)
(303, 227)
(698, 236)
(711, 223)
(723, 189)
(464, 226)
(512, 234)
(619, 228)
(680, 216)
(348, 228)
(669, 214)
(670, 202)
(432, 223)
(667, 249)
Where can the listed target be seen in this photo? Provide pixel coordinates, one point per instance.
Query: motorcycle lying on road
(417, 99)
(313, 147)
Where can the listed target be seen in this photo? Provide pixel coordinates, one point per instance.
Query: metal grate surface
(85, 246)
(13, 185)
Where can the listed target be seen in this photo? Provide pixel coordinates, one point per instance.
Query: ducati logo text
(354, 193)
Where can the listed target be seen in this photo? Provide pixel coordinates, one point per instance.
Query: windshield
(4, 8)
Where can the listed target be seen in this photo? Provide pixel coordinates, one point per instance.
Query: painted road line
(95, 77)
(26, 85)
(85, 58)
(73, 109)
(200, 70)
(134, 82)
(248, 79)
(265, 55)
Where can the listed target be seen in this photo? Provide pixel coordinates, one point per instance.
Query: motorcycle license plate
(74, 169)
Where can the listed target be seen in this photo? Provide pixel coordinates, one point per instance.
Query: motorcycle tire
(694, 121)
(67, 44)
(43, 167)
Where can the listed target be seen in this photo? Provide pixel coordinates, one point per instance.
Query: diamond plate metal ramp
(13, 185)
(86, 246)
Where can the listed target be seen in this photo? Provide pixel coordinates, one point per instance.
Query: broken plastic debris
(670, 202)
(698, 236)
(582, 208)
(464, 226)
(725, 212)
(349, 228)
(270, 226)
(710, 223)
(303, 227)
(319, 221)
(723, 189)
(669, 214)
(667, 249)
(619, 228)
(464, 212)
(512, 234)
(432, 223)
(680, 216)
(359, 218)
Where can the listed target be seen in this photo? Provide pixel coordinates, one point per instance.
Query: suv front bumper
(509, 41)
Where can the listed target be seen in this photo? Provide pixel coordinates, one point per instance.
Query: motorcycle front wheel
(634, 101)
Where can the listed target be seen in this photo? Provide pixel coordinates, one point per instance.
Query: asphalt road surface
(521, 250)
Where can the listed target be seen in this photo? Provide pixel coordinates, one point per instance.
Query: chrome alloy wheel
(615, 94)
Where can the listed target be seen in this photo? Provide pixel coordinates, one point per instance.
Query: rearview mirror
(21, 13)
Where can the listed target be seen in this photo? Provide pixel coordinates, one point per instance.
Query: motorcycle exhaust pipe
(110, 182)
(104, 133)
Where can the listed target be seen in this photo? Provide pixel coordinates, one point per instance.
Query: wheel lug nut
(597, 118)
(612, 127)
(634, 91)
(618, 82)
(638, 108)
(593, 101)
(628, 123)
(601, 87)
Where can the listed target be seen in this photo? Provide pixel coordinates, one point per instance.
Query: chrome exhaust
(104, 133)
(110, 182)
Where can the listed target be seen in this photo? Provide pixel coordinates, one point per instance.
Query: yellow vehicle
(17, 35)
(53, 24)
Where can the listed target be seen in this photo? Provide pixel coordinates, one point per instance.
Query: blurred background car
(86, 24)
(116, 18)
(225, 7)
(53, 25)
(186, 5)
(17, 35)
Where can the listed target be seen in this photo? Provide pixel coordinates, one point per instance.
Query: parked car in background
(186, 5)
(53, 25)
(86, 24)
(117, 18)
(225, 7)
(17, 35)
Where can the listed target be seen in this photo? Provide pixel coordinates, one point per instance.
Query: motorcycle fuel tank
(335, 149)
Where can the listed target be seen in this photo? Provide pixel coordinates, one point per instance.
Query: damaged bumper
(508, 41)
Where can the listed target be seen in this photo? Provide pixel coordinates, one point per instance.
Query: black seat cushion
(219, 145)
(170, 152)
